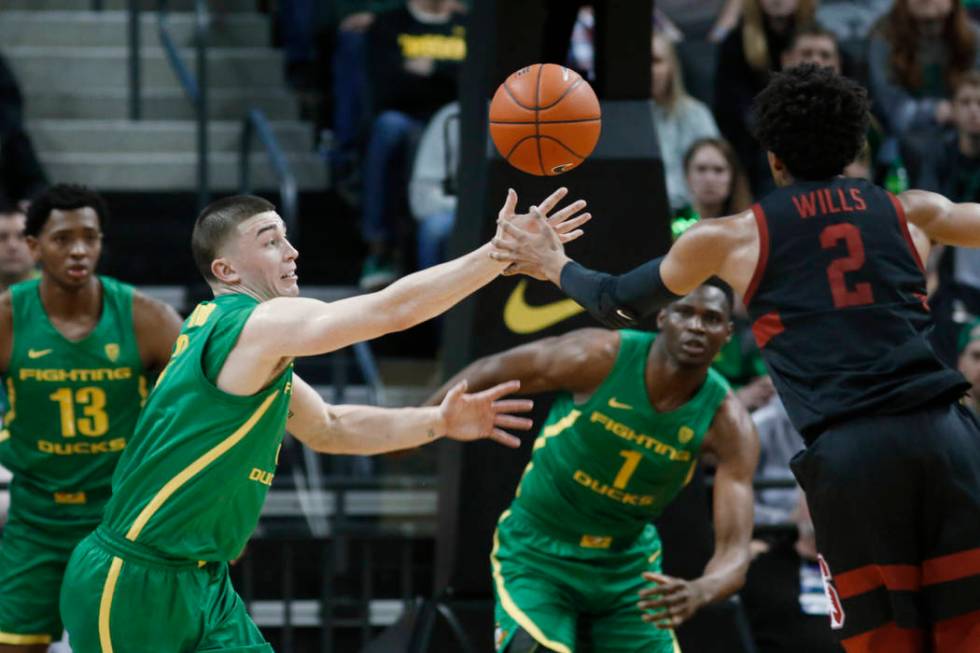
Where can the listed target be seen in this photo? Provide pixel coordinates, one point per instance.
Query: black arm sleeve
(618, 301)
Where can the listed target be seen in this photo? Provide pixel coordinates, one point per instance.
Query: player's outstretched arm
(157, 326)
(735, 443)
(286, 327)
(577, 361)
(621, 300)
(942, 220)
(368, 430)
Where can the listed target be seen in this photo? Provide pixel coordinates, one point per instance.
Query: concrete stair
(72, 64)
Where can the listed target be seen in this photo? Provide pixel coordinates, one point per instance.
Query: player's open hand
(562, 227)
(671, 601)
(482, 415)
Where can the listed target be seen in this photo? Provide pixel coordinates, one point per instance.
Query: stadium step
(73, 67)
(216, 6)
(158, 103)
(111, 29)
(164, 136)
(81, 67)
(155, 171)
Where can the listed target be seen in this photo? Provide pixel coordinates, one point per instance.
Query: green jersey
(192, 482)
(602, 469)
(72, 406)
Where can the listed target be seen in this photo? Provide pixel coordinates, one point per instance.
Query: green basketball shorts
(562, 593)
(120, 597)
(35, 546)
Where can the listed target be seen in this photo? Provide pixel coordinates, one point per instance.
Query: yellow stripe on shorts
(105, 605)
(23, 640)
(510, 606)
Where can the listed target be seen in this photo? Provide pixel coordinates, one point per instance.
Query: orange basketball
(545, 119)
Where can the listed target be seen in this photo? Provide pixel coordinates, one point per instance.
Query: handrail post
(203, 188)
(135, 90)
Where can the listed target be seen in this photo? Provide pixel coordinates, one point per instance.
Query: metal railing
(255, 123)
(195, 87)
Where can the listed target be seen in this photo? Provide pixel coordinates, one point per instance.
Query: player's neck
(223, 289)
(67, 303)
(670, 385)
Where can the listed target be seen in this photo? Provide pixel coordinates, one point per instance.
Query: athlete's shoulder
(718, 381)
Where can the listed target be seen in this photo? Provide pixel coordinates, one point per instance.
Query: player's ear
(224, 271)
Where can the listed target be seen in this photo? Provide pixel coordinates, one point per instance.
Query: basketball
(545, 119)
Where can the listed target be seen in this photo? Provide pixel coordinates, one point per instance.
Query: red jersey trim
(766, 328)
(904, 227)
(760, 267)
(890, 637)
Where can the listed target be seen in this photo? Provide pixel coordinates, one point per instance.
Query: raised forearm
(369, 430)
(725, 572)
(617, 301)
(431, 292)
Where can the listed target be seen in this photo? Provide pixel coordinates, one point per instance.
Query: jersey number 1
(861, 294)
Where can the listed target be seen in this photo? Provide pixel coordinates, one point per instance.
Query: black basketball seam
(516, 145)
(552, 138)
(564, 93)
(537, 114)
(516, 101)
(543, 122)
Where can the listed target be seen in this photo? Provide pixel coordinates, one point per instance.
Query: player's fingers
(513, 405)
(511, 229)
(501, 389)
(566, 213)
(455, 391)
(572, 224)
(654, 577)
(512, 422)
(569, 237)
(552, 200)
(505, 438)
(510, 205)
(498, 255)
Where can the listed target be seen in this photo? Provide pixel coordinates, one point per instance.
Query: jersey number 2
(861, 294)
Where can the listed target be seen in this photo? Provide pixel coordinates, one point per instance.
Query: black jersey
(838, 304)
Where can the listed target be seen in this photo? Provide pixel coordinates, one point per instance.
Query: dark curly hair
(63, 197)
(813, 119)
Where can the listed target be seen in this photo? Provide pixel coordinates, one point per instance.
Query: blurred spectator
(706, 19)
(861, 167)
(715, 182)
(746, 57)
(414, 54)
(679, 119)
(432, 191)
(16, 262)
(969, 363)
(581, 51)
(950, 165)
(812, 44)
(918, 50)
(784, 597)
(21, 174)
(297, 24)
(850, 20)
(778, 443)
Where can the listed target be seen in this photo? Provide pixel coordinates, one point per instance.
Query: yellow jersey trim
(196, 467)
(105, 605)
(4, 435)
(677, 646)
(508, 603)
(23, 640)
